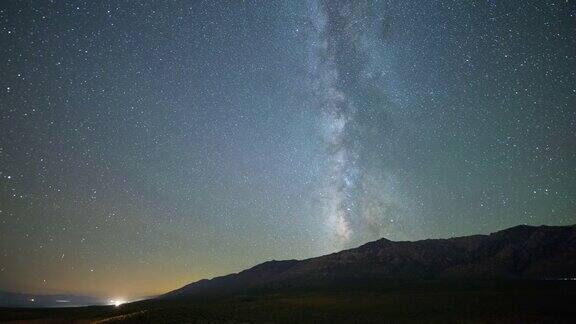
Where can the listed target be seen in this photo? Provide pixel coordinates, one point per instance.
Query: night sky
(145, 145)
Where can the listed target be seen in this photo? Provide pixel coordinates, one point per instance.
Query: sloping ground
(544, 252)
(438, 301)
(512, 276)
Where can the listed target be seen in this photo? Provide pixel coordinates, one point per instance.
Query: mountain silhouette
(12, 299)
(521, 252)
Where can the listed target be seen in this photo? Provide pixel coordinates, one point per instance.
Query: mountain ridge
(16, 299)
(523, 251)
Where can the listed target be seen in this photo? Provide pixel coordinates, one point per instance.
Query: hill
(518, 275)
(521, 252)
(11, 299)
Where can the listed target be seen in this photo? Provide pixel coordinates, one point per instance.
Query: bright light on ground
(117, 302)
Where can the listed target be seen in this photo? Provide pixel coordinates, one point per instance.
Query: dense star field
(145, 145)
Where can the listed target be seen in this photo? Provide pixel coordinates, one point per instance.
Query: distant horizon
(107, 300)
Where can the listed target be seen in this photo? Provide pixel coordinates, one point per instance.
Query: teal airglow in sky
(145, 145)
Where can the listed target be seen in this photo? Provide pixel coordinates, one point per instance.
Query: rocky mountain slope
(544, 252)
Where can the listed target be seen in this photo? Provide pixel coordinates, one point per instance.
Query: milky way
(145, 145)
(347, 46)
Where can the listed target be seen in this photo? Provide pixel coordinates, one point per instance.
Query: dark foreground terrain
(522, 274)
(393, 302)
